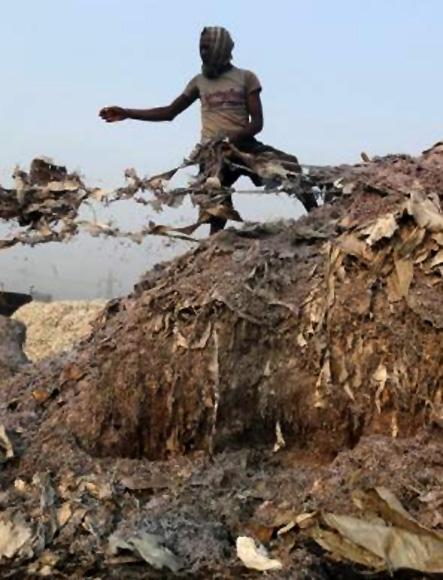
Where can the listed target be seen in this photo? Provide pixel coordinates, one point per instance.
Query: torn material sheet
(390, 539)
(15, 536)
(6, 448)
(148, 547)
(255, 557)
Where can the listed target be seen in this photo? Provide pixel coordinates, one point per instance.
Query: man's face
(205, 48)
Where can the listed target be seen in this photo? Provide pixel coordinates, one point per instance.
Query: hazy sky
(339, 77)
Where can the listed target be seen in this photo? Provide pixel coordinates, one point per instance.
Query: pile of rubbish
(270, 401)
(54, 327)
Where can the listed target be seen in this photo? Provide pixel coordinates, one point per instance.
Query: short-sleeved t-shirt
(223, 100)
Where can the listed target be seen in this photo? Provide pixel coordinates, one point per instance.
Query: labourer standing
(231, 106)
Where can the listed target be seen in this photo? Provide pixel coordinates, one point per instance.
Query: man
(230, 104)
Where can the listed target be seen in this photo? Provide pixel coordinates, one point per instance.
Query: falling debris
(46, 201)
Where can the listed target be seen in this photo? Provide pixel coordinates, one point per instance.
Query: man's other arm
(255, 124)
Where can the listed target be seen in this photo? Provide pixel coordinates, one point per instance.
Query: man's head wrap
(219, 54)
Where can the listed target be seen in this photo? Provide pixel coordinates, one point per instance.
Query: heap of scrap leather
(46, 200)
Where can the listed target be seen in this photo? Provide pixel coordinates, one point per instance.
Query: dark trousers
(229, 176)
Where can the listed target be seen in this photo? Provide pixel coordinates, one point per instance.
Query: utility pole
(109, 284)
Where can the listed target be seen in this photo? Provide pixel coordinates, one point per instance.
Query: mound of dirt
(241, 389)
(54, 327)
(328, 327)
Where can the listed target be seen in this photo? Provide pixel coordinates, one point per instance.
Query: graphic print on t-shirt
(223, 99)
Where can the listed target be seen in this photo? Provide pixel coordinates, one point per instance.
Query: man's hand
(113, 114)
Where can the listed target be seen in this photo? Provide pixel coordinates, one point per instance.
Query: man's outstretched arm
(168, 113)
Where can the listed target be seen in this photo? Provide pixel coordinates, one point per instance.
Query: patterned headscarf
(220, 50)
